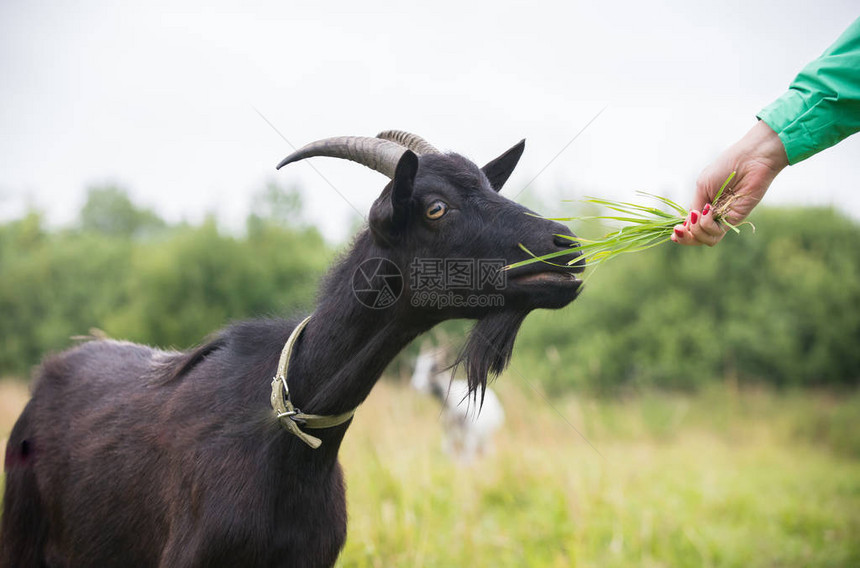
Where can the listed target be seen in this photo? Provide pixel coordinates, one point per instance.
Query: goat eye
(436, 209)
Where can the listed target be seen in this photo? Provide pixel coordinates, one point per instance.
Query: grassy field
(721, 478)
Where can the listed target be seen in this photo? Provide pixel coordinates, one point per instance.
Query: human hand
(756, 158)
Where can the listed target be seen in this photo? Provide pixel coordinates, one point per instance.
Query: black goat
(131, 456)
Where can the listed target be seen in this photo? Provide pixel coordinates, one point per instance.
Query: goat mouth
(548, 277)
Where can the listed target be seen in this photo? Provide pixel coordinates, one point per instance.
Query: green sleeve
(822, 105)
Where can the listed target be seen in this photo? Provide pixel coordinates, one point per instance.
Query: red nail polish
(678, 232)
(694, 217)
(707, 209)
(686, 221)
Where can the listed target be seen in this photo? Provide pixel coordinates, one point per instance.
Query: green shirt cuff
(804, 129)
(822, 106)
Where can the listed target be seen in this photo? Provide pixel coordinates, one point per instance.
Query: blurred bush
(127, 272)
(779, 306)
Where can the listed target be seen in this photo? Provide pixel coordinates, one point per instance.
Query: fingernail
(678, 232)
(707, 209)
(694, 217)
(686, 221)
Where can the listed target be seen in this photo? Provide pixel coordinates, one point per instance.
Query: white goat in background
(469, 429)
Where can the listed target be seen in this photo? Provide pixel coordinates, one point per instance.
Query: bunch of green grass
(646, 227)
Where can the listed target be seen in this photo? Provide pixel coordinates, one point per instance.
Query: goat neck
(346, 345)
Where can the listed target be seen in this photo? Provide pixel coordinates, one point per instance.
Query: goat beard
(489, 348)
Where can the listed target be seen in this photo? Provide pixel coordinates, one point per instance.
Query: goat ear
(390, 212)
(499, 170)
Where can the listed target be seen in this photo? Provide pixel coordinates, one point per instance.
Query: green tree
(109, 211)
(275, 205)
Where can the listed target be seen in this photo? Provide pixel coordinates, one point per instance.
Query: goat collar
(290, 416)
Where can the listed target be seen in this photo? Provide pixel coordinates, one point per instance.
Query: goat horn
(376, 154)
(411, 141)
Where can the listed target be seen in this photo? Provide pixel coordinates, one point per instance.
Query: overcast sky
(162, 98)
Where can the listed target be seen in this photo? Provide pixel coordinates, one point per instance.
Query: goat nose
(561, 242)
(567, 240)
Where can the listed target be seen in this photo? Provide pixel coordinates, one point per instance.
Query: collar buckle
(293, 415)
(288, 415)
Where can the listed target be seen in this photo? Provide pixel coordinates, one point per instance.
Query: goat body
(469, 426)
(136, 466)
(469, 429)
(132, 456)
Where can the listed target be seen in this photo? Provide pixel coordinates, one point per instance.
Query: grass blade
(646, 227)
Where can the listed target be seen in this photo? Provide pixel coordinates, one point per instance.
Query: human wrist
(764, 144)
